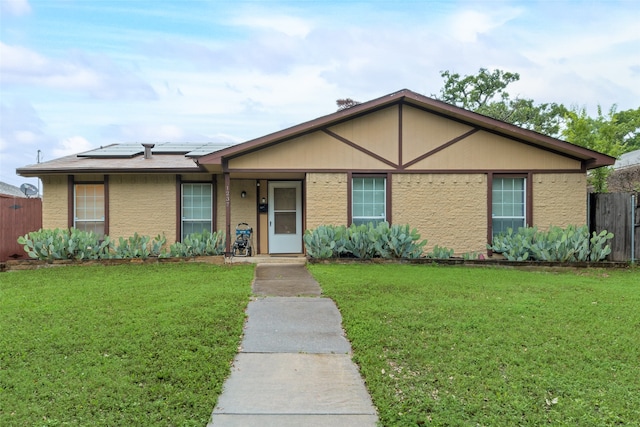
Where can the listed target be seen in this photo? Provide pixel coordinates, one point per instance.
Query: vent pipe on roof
(147, 150)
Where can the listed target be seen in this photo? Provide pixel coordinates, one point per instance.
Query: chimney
(147, 150)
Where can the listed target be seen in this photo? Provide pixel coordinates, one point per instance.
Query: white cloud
(290, 25)
(467, 25)
(21, 125)
(72, 145)
(15, 7)
(94, 74)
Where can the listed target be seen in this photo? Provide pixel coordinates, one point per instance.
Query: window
(89, 208)
(197, 213)
(369, 200)
(508, 204)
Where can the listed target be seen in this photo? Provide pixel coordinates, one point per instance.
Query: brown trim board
(400, 138)
(106, 205)
(441, 147)
(70, 201)
(359, 148)
(402, 171)
(178, 208)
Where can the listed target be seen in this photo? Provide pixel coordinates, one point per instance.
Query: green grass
(118, 346)
(449, 346)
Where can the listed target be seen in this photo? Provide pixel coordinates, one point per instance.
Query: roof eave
(33, 173)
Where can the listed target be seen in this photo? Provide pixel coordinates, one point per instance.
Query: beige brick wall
(447, 209)
(145, 204)
(54, 202)
(242, 210)
(326, 199)
(559, 199)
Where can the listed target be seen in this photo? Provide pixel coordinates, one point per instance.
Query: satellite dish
(29, 189)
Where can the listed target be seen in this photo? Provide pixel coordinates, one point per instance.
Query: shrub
(398, 241)
(65, 244)
(361, 240)
(86, 245)
(199, 244)
(440, 252)
(326, 241)
(471, 256)
(138, 246)
(556, 244)
(364, 241)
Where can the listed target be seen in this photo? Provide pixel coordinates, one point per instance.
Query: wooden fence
(615, 212)
(18, 216)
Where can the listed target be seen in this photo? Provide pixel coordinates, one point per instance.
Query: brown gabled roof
(127, 158)
(177, 158)
(592, 159)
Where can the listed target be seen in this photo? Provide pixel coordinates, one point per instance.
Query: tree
(629, 122)
(345, 103)
(614, 134)
(485, 93)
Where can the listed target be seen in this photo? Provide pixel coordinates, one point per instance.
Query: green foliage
(200, 244)
(361, 240)
(364, 241)
(398, 241)
(572, 244)
(123, 345)
(326, 241)
(138, 246)
(629, 128)
(485, 93)
(440, 252)
(470, 255)
(599, 248)
(614, 134)
(64, 244)
(86, 245)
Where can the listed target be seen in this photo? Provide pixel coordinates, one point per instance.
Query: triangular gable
(374, 129)
(424, 132)
(486, 151)
(376, 132)
(315, 151)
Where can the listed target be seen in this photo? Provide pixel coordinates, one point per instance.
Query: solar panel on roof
(116, 150)
(134, 149)
(207, 149)
(174, 147)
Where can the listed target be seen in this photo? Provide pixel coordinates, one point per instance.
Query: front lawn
(122, 345)
(448, 346)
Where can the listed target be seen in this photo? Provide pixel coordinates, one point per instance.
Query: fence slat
(18, 216)
(612, 212)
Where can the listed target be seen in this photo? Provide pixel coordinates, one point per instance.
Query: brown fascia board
(592, 159)
(74, 164)
(32, 173)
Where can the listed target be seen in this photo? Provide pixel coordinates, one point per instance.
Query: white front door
(285, 217)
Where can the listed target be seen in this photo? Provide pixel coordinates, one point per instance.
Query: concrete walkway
(294, 367)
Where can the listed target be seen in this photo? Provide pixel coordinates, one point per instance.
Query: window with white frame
(197, 212)
(508, 208)
(89, 208)
(368, 198)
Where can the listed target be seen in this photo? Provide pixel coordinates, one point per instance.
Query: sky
(79, 74)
